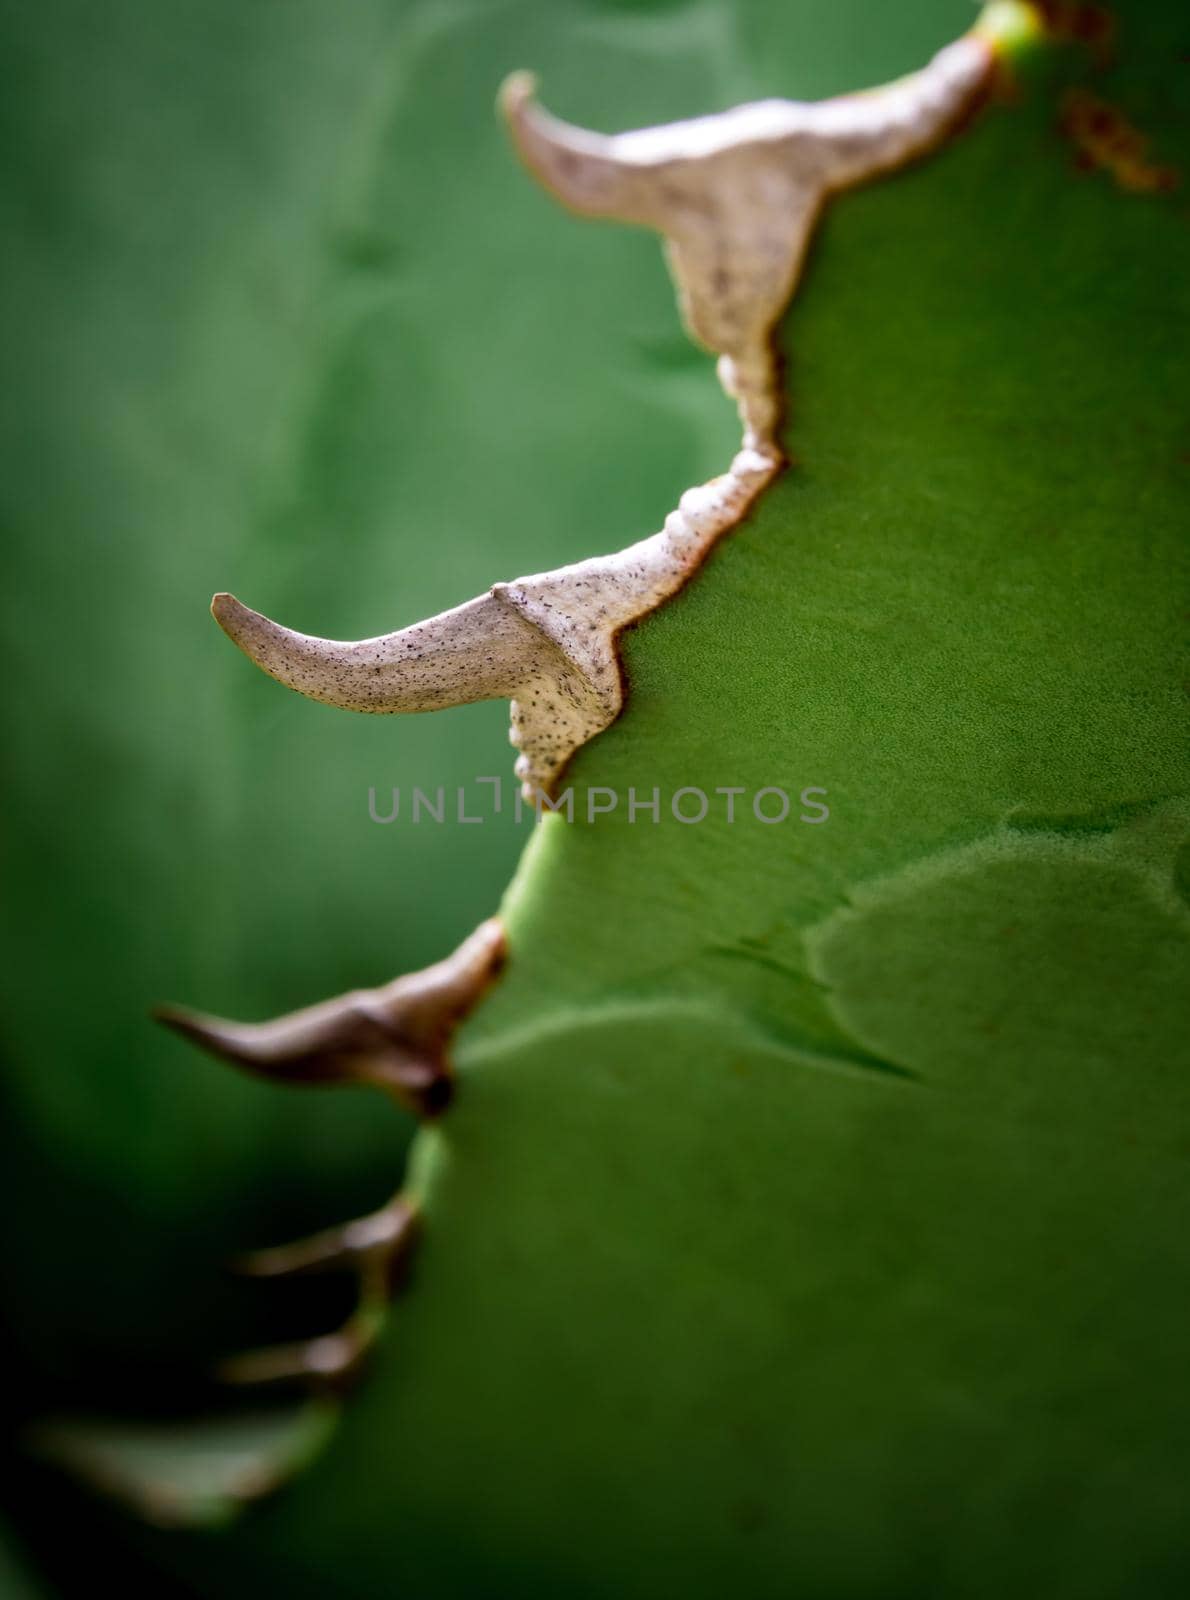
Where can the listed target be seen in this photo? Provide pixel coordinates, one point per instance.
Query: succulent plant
(795, 1207)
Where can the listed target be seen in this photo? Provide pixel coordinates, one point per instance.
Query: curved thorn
(585, 170)
(552, 650)
(335, 1042)
(394, 1037)
(377, 1247)
(332, 1359)
(475, 652)
(736, 195)
(387, 1235)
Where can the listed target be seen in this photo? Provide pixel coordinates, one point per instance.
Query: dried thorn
(736, 196)
(377, 1248)
(332, 1360)
(394, 1037)
(566, 686)
(386, 1235)
(475, 652)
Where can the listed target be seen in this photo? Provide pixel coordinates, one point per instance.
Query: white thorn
(736, 196)
(585, 170)
(471, 653)
(547, 643)
(387, 1233)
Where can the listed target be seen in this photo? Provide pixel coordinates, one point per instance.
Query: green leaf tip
(188, 1474)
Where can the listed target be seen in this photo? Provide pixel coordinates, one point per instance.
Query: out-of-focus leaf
(196, 1473)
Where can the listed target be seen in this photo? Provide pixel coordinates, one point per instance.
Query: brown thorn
(387, 1235)
(393, 1037)
(332, 1360)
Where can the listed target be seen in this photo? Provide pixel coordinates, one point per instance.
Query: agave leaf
(811, 1226)
(808, 1220)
